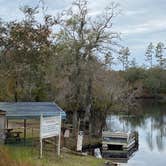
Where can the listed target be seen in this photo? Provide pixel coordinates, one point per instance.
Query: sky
(140, 21)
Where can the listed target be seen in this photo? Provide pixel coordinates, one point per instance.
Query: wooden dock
(120, 139)
(119, 145)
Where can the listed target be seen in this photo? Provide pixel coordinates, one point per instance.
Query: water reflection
(150, 123)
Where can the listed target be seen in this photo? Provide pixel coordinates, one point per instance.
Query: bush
(155, 80)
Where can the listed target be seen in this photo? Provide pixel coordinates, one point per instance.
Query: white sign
(79, 141)
(50, 126)
(67, 133)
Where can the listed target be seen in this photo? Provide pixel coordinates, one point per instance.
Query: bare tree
(86, 37)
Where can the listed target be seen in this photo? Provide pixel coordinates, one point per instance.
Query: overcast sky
(140, 22)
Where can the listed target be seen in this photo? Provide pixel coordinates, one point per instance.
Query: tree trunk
(75, 120)
(15, 92)
(88, 102)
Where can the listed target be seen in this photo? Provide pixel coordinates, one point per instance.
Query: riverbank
(23, 156)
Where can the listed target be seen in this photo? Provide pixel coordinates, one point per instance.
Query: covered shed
(30, 110)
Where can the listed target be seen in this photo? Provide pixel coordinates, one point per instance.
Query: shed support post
(59, 137)
(41, 141)
(25, 130)
(7, 123)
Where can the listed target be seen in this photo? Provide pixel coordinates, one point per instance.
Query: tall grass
(23, 156)
(6, 160)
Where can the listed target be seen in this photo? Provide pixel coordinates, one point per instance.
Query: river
(150, 123)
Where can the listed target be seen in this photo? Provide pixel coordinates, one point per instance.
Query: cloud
(150, 26)
(134, 12)
(140, 22)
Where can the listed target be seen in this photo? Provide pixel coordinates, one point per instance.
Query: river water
(150, 123)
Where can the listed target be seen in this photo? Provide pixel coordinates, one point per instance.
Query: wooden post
(25, 126)
(7, 123)
(59, 141)
(41, 142)
(41, 148)
(77, 133)
(32, 141)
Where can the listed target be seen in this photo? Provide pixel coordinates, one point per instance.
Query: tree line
(67, 58)
(57, 59)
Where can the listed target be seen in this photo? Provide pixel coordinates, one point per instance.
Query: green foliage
(25, 54)
(152, 84)
(155, 80)
(134, 74)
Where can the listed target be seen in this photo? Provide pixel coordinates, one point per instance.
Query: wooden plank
(25, 130)
(115, 134)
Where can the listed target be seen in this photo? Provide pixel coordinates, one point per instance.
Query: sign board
(50, 126)
(79, 141)
(67, 133)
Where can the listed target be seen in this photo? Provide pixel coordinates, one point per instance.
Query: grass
(6, 159)
(19, 155)
(23, 156)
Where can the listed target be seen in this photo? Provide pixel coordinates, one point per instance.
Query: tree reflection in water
(149, 121)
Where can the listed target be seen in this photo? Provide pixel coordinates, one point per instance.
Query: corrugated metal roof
(28, 110)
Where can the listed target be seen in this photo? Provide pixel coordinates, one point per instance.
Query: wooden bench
(12, 135)
(16, 135)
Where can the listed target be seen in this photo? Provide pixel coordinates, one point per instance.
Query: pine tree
(124, 54)
(149, 54)
(160, 54)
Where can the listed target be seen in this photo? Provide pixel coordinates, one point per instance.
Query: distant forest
(68, 58)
